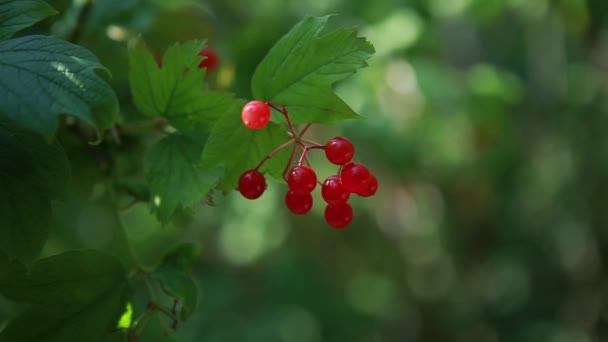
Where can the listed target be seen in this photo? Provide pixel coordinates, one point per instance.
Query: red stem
(283, 110)
(304, 130)
(293, 152)
(275, 151)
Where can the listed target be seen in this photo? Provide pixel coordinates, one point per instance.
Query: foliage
(51, 85)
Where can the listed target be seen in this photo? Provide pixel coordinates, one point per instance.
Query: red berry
(302, 179)
(255, 114)
(211, 61)
(297, 203)
(333, 192)
(338, 215)
(369, 186)
(252, 184)
(353, 177)
(339, 150)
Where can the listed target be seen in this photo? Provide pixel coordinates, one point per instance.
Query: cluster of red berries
(302, 180)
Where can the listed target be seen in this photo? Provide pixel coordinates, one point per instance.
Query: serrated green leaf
(16, 15)
(174, 174)
(237, 148)
(44, 77)
(175, 90)
(302, 66)
(173, 275)
(32, 173)
(74, 296)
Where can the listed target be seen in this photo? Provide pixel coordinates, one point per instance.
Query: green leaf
(19, 14)
(174, 174)
(175, 91)
(302, 66)
(174, 276)
(182, 256)
(175, 4)
(126, 319)
(74, 296)
(44, 77)
(238, 148)
(32, 173)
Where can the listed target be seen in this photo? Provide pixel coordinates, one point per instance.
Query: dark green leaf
(182, 256)
(19, 14)
(174, 4)
(174, 277)
(43, 77)
(74, 296)
(174, 173)
(32, 173)
(300, 69)
(238, 148)
(175, 91)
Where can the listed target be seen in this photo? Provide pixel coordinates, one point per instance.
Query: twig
(85, 9)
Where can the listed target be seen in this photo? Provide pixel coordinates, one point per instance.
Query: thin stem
(301, 134)
(303, 155)
(280, 110)
(293, 152)
(315, 147)
(312, 143)
(275, 151)
(283, 110)
(85, 9)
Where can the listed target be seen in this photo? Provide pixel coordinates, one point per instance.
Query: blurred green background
(484, 126)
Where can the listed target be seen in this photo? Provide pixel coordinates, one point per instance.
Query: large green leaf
(175, 90)
(74, 296)
(174, 276)
(44, 77)
(238, 148)
(174, 173)
(19, 14)
(301, 67)
(32, 173)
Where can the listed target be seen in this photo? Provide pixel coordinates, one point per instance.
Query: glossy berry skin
(255, 114)
(369, 186)
(297, 203)
(339, 150)
(339, 215)
(302, 179)
(252, 184)
(333, 192)
(211, 61)
(353, 177)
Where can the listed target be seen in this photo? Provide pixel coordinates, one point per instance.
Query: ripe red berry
(353, 177)
(255, 114)
(252, 184)
(297, 203)
(369, 186)
(333, 192)
(339, 150)
(338, 215)
(302, 179)
(211, 61)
